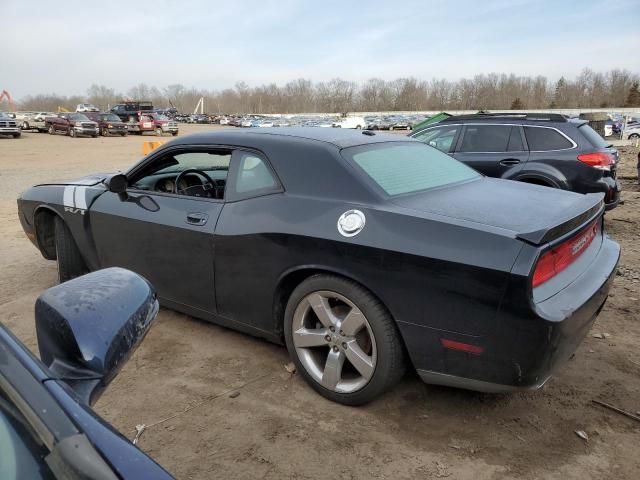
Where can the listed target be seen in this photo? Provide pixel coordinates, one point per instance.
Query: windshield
(78, 117)
(21, 454)
(110, 118)
(399, 168)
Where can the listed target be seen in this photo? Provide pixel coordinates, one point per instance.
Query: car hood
(87, 181)
(533, 213)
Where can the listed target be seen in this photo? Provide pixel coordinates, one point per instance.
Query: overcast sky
(64, 47)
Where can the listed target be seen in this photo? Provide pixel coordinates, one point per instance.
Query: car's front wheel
(52, 131)
(72, 132)
(70, 263)
(342, 340)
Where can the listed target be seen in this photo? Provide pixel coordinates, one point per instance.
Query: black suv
(545, 149)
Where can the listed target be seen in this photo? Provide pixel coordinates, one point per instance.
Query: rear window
(541, 139)
(594, 137)
(399, 168)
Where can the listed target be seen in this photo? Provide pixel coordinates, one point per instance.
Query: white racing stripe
(68, 196)
(81, 197)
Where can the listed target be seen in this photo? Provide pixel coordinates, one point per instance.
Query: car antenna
(368, 132)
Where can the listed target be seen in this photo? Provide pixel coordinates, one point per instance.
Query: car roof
(339, 137)
(535, 118)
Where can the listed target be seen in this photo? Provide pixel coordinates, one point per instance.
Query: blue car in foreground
(87, 329)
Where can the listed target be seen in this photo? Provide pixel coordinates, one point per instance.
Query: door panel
(493, 150)
(168, 239)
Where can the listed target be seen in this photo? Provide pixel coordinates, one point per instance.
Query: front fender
(72, 203)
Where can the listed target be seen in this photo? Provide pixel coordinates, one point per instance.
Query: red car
(108, 123)
(162, 124)
(72, 124)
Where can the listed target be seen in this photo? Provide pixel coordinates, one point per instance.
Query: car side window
(485, 138)
(440, 137)
(515, 141)
(541, 139)
(199, 172)
(254, 176)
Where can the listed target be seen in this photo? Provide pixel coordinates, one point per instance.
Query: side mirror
(88, 327)
(118, 184)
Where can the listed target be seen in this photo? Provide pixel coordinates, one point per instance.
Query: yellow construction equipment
(62, 109)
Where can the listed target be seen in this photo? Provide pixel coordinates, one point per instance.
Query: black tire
(72, 132)
(105, 132)
(633, 135)
(52, 131)
(390, 364)
(17, 135)
(174, 133)
(70, 263)
(159, 132)
(95, 135)
(123, 134)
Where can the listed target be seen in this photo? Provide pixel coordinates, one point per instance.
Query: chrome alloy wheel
(334, 341)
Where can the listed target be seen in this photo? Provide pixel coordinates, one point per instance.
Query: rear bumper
(525, 345)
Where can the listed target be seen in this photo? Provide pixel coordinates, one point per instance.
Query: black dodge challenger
(362, 252)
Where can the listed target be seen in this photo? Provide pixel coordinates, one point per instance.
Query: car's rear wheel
(52, 130)
(105, 132)
(70, 263)
(25, 125)
(633, 135)
(72, 132)
(342, 340)
(159, 132)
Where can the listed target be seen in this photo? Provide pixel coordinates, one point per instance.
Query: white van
(350, 122)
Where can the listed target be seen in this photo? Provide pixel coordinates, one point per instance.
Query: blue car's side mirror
(88, 327)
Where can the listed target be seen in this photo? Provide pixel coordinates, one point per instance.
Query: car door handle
(197, 218)
(507, 162)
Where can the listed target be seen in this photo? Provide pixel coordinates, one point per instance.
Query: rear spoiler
(590, 208)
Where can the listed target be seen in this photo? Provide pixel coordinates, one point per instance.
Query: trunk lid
(534, 214)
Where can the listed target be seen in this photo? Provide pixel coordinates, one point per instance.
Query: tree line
(494, 91)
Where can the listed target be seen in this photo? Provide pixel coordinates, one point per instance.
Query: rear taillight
(557, 259)
(599, 160)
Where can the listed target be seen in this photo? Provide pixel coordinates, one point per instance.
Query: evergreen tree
(517, 104)
(633, 99)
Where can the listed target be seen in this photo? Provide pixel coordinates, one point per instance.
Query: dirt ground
(277, 427)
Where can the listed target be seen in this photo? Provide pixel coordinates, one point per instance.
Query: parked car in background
(47, 426)
(86, 107)
(35, 121)
(363, 253)
(9, 126)
(108, 123)
(631, 132)
(350, 122)
(399, 123)
(130, 111)
(163, 124)
(72, 124)
(23, 117)
(544, 149)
